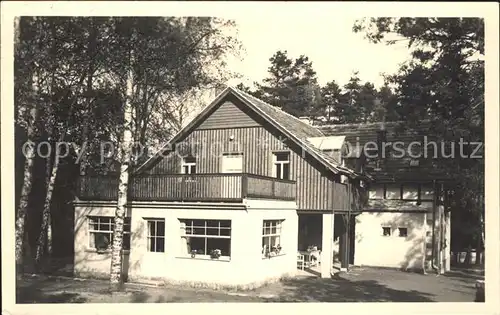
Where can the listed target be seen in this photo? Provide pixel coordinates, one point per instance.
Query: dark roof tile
(392, 168)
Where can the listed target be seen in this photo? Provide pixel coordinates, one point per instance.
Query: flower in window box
(312, 248)
(266, 251)
(277, 249)
(215, 253)
(101, 243)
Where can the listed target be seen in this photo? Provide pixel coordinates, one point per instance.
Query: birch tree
(58, 68)
(28, 114)
(116, 277)
(45, 235)
(80, 89)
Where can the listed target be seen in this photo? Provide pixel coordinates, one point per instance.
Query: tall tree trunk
(44, 240)
(48, 195)
(91, 48)
(468, 256)
(480, 238)
(116, 277)
(478, 250)
(27, 178)
(45, 236)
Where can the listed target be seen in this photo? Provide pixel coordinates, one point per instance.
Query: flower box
(215, 253)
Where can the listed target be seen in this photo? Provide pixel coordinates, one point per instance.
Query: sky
(329, 42)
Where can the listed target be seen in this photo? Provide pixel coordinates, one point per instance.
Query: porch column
(344, 244)
(327, 245)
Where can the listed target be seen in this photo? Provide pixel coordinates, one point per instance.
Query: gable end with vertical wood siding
(229, 115)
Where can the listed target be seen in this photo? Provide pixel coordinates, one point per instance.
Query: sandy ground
(360, 284)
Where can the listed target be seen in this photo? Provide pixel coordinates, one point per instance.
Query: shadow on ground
(43, 289)
(464, 275)
(340, 289)
(358, 285)
(33, 292)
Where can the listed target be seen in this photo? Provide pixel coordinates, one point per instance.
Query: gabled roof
(291, 123)
(292, 127)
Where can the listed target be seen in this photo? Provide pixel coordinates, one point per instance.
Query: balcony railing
(195, 187)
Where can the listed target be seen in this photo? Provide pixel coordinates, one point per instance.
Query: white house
(234, 196)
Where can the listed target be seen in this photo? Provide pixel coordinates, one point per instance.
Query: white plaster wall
(374, 249)
(87, 260)
(246, 265)
(285, 264)
(174, 264)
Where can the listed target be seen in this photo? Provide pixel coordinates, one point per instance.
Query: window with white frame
(156, 235)
(282, 165)
(189, 165)
(101, 232)
(205, 237)
(271, 237)
(405, 192)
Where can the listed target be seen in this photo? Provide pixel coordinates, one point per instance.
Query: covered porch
(324, 237)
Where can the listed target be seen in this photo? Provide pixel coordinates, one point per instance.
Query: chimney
(381, 139)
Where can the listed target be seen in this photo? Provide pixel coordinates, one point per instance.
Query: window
(101, 232)
(189, 165)
(156, 235)
(282, 165)
(426, 193)
(232, 162)
(410, 192)
(271, 235)
(201, 237)
(393, 191)
(406, 192)
(376, 192)
(403, 232)
(386, 231)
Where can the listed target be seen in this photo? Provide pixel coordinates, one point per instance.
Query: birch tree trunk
(21, 239)
(116, 277)
(29, 153)
(44, 240)
(45, 230)
(91, 47)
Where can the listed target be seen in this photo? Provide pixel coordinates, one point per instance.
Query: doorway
(344, 239)
(232, 163)
(310, 231)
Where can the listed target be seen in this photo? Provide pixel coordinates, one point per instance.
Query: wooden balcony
(180, 187)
